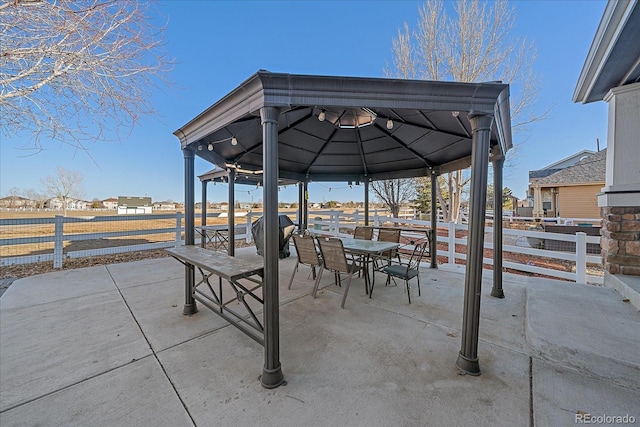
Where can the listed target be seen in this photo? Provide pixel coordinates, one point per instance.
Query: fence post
(248, 229)
(581, 257)
(376, 219)
(179, 241)
(57, 241)
(452, 242)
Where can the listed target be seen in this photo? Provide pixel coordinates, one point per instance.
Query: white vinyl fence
(331, 222)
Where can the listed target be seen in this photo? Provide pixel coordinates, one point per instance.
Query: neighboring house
(134, 205)
(53, 203)
(56, 203)
(164, 206)
(110, 203)
(568, 187)
(78, 204)
(15, 202)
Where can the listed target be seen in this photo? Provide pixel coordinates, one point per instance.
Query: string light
(210, 147)
(234, 141)
(389, 124)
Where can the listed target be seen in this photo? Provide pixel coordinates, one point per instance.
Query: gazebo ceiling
(345, 128)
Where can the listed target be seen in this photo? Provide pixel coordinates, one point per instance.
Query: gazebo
(308, 128)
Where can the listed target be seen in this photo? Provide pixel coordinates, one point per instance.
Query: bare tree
(70, 69)
(65, 185)
(475, 44)
(37, 198)
(13, 197)
(395, 192)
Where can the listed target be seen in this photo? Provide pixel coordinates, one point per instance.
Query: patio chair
(307, 254)
(409, 270)
(334, 259)
(387, 235)
(364, 233)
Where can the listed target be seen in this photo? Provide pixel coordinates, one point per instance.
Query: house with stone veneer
(611, 73)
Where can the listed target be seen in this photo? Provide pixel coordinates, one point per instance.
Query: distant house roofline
(587, 171)
(578, 154)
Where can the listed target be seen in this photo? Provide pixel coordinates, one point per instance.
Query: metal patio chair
(334, 259)
(387, 235)
(364, 233)
(409, 270)
(307, 254)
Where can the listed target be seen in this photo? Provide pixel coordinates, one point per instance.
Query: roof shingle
(588, 170)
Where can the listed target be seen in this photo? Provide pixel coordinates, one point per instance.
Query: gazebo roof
(246, 177)
(373, 127)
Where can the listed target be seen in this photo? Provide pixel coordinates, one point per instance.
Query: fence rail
(332, 222)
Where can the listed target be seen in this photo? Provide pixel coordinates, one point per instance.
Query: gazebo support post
(189, 221)
(305, 202)
(231, 220)
(272, 376)
(433, 244)
(366, 201)
(481, 127)
(203, 213)
(498, 166)
(301, 207)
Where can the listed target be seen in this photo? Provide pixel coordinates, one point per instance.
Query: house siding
(579, 201)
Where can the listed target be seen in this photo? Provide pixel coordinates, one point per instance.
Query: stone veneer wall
(621, 239)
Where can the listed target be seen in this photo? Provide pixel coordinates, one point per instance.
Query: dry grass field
(41, 230)
(85, 227)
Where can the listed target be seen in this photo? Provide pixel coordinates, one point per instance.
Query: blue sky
(218, 44)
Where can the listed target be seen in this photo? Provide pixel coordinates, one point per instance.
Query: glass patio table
(368, 250)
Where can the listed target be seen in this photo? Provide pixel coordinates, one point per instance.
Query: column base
(497, 293)
(272, 378)
(189, 309)
(468, 366)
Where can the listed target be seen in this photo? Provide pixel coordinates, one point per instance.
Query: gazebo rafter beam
(324, 147)
(361, 150)
(403, 145)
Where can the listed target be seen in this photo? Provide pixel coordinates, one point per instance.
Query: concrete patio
(109, 345)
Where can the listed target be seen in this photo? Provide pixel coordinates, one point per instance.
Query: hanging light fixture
(200, 147)
(234, 141)
(389, 124)
(210, 147)
(322, 116)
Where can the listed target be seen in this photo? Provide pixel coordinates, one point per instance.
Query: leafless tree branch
(72, 69)
(474, 44)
